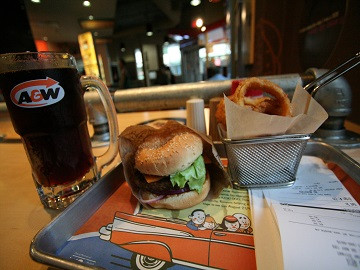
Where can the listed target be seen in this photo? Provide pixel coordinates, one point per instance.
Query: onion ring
(277, 104)
(281, 106)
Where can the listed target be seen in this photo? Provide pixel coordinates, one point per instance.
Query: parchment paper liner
(308, 115)
(131, 138)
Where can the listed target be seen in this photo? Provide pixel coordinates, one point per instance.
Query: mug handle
(94, 83)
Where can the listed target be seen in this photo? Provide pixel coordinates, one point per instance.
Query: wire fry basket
(270, 161)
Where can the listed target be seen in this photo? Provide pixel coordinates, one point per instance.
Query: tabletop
(21, 213)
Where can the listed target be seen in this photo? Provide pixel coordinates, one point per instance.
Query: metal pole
(175, 96)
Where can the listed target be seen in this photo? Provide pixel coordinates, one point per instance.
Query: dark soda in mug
(45, 99)
(47, 110)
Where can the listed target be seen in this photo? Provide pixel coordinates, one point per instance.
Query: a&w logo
(37, 93)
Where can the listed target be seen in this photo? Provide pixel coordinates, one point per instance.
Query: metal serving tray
(46, 244)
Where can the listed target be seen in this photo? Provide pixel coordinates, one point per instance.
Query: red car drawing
(158, 243)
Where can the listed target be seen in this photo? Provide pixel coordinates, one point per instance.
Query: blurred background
(141, 43)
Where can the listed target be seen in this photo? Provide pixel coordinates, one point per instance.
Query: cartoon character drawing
(210, 223)
(158, 243)
(230, 223)
(197, 219)
(244, 222)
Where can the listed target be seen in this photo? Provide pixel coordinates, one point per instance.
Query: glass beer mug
(44, 95)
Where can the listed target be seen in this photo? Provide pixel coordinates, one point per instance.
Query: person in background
(214, 74)
(172, 77)
(164, 76)
(124, 75)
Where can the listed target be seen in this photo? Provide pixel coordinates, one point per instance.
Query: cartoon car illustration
(158, 243)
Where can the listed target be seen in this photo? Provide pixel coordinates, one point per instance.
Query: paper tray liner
(52, 245)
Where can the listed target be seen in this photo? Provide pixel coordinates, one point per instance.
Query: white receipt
(316, 185)
(318, 220)
(318, 239)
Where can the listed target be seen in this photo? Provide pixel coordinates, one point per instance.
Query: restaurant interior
(236, 38)
(154, 56)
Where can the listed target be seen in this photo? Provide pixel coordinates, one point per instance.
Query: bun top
(164, 155)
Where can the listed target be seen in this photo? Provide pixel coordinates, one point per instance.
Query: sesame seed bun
(161, 156)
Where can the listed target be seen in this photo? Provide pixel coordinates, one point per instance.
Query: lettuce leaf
(193, 175)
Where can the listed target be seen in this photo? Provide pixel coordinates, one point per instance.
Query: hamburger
(165, 167)
(171, 171)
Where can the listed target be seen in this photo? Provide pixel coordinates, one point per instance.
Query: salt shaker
(195, 117)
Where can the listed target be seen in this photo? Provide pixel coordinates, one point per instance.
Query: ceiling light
(199, 22)
(86, 4)
(122, 47)
(91, 17)
(228, 17)
(203, 29)
(149, 30)
(36, 1)
(195, 2)
(177, 38)
(96, 24)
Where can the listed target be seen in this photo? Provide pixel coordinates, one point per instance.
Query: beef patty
(162, 186)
